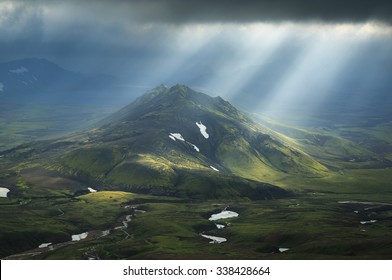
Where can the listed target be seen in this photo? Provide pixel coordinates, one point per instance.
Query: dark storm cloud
(90, 35)
(183, 11)
(180, 11)
(264, 10)
(82, 35)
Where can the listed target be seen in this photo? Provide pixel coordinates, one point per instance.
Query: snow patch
(177, 136)
(368, 222)
(215, 239)
(219, 226)
(283, 249)
(213, 168)
(4, 192)
(19, 70)
(78, 237)
(91, 190)
(223, 215)
(203, 129)
(44, 245)
(195, 147)
(1, 86)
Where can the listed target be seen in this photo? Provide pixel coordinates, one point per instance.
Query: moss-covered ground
(311, 223)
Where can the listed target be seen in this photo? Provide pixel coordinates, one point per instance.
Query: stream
(85, 236)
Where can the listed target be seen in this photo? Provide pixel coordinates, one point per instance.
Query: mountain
(32, 74)
(37, 96)
(231, 141)
(34, 78)
(174, 141)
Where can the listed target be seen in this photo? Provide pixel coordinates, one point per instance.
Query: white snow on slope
(213, 168)
(4, 192)
(78, 237)
(1, 86)
(203, 129)
(44, 245)
(368, 222)
(225, 214)
(195, 147)
(177, 136)
(215, 239)
(283, 249)
(91, 190)
(19, 70)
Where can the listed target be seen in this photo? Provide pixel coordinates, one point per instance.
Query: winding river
(85, 236)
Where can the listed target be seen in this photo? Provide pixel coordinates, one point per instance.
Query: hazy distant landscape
(260, 132)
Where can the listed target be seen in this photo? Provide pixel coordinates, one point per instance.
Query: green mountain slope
(176, 141)
(137, 147)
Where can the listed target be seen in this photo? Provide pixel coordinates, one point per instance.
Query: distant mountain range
(25, 75)
(40, 79)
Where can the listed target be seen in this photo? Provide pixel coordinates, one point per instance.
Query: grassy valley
(311, 225)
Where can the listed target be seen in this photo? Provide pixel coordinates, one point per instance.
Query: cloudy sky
(283, 49)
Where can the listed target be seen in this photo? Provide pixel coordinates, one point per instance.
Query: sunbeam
(252, 46)
(188, 41)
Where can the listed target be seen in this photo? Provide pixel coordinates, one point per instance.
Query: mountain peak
(182, 91)
(178, 100)
(179, 90)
